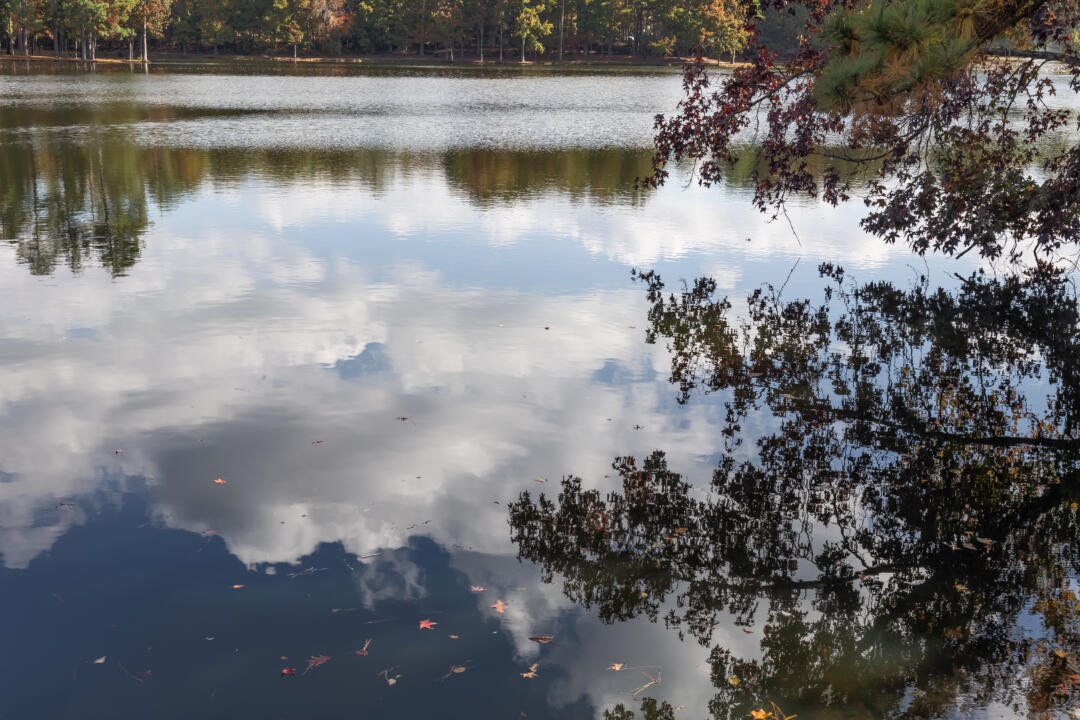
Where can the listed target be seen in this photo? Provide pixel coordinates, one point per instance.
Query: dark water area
(388, 392)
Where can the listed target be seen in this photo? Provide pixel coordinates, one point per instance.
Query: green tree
(530, 26)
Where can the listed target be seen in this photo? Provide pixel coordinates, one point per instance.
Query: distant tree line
(482, 29)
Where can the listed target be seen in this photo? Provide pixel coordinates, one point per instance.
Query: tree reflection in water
(75, 201)
(905, 529)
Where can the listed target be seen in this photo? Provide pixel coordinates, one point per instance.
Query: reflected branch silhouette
(907, 515)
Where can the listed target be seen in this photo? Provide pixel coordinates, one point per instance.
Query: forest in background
(451, 29)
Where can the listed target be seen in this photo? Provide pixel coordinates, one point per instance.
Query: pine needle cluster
(886, 50)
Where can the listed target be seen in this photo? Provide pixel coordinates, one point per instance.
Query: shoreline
(169, 58)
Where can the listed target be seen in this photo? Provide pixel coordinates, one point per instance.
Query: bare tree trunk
(145, 43)
(131, 48)
(423, 19)
(562, 21)
(500, 40)
(523, 46)
(82, 44)
(480, 44)
(294, 51)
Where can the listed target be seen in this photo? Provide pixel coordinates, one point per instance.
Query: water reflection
(894, 514)
(67, 202)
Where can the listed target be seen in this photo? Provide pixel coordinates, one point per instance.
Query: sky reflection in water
(378, 326)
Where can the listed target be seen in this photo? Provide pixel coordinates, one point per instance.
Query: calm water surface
(279, 355)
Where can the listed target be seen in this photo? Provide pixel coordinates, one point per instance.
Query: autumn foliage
(910, 106)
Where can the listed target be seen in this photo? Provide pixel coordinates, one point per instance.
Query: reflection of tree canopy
(908, 508)
(69, 206)
(71, 201)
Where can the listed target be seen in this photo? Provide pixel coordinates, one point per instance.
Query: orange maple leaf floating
(237, 587)
(532, 671)
(219, 481)
(428, 624)
(500, 606)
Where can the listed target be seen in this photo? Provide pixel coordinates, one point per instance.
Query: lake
(282, 352)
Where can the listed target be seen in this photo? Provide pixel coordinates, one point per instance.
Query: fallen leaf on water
(209, 532)
(733, 681)
(785, 613)
(428, 624)
(118, 452)
(652, 681)
(454, 637)
(457, 669)
(680, 530)
(219, 481)
(315, 661)
(237, 587)
(985, 541)
(760, 714)
(541, 480)
(316, 442)
(1060, 653)
(386, 675)
(500, 606)
(542, 639)
(477, 588)
(100, 660)
(969, 546)
(363, 650)
(532, 671)
(616, 666)
(747, 631)
(780, 713)
(960, 587)
(288, 671)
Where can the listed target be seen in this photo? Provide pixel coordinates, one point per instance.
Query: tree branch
(1061, 57)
